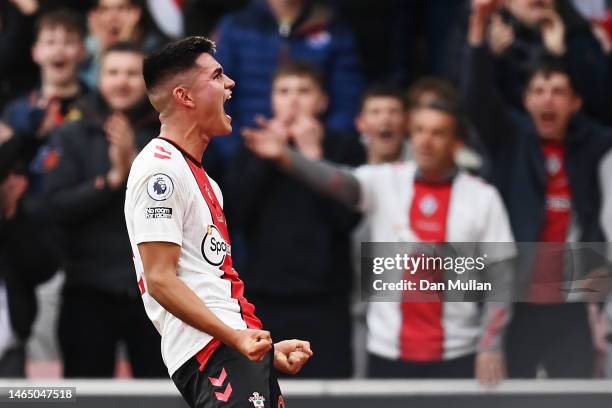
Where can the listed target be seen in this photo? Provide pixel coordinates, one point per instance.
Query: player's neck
(189, 137)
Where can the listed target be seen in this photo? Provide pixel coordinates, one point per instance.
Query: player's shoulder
(158, 162)
(158, 156)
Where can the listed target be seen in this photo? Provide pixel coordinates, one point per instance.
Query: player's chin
(225, 125)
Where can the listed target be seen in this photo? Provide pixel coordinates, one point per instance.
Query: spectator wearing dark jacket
(525, 31)
(298, 244)
(58, 50)
(545, 166)
(101, 303)
(255, 41)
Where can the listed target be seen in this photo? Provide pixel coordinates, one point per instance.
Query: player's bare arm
(322, 176)
(160, 261)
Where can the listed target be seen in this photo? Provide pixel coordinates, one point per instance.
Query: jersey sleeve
(158, 204)
(497, 240)
(366, 176)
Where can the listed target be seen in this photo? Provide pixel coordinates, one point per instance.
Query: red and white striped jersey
(170, 198)
(400, 209)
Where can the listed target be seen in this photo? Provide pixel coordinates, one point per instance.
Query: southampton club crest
(257, 400)
(428, 205)
(160, 187)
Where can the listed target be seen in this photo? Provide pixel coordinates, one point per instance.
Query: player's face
(551, 102)
(58, 52)
(121, 81)
(434, 140)
(381, 121)
(210, 90)
(530, 12)
(294, 96)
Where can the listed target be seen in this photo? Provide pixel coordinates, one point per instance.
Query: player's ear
(183, 97)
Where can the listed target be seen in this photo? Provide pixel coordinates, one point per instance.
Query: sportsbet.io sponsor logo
(160, 187)
(214, 247)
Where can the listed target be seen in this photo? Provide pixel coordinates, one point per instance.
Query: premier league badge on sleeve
(160, 187)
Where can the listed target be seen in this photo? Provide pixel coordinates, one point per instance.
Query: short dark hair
(174, 58)
(124, 46)
(547, 66)
(382, 90)
(450, 108)
(301, 69)
(64, 18)
(442, 89)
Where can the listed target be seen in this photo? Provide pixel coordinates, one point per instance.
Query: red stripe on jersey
(204, 355)
(159, 156)
(545, 286)
(422, 334)
(247, 309)
(141, 286)
(161, 149)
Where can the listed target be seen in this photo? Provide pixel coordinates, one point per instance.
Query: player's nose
(229, 83)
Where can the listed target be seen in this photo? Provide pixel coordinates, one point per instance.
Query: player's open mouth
(227, 97)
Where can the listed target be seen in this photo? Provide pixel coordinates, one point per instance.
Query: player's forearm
(329, 179)
(177, 298)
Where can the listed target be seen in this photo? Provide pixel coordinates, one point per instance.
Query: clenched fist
(291, 355)
(254, 344)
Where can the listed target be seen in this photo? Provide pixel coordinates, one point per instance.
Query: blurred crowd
(395, 113)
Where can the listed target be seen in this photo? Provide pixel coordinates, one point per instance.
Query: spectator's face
(294, 96)
(381, 122)
(551, 102)
(58, 52)
(114, 16)
(434, 140)
(121, 81)
(530, 12)
(209, 89)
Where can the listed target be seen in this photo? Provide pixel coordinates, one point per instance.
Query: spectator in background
(58, 50)
(412, 202)
(254, 41)
(381, 124)
(113, 21)
(526, 30)
(298, 244)
(86, 191)
(17, 71)
(470, 156)
(545, 165)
